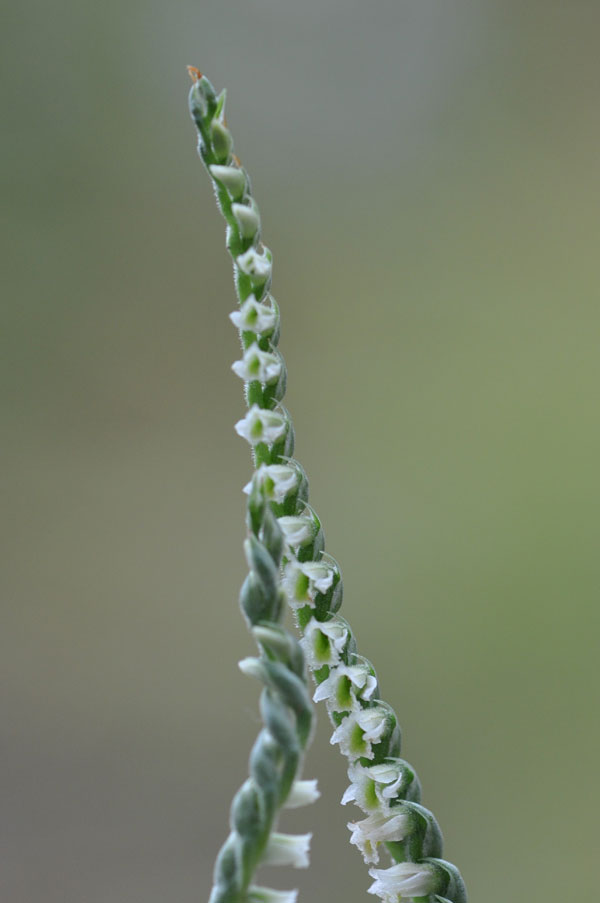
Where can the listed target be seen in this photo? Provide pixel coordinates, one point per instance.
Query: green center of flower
(321, 646)
(343, 693)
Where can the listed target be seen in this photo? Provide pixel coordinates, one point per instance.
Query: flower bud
(247, 218)
(232, 178)
(221, 140)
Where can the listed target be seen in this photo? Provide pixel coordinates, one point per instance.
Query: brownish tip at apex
(194, 73)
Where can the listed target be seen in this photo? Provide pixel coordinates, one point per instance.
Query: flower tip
(194, 73)
(303, 793)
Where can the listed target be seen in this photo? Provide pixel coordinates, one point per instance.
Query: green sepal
(321, 674)
(227, 875)
(272, 537)
(246, 815)
(260, 561)
(220, 108)
(203, 104)
(274, 393)
(275, 334)
(390, 744)
(265, 757)
(453, 890)
(279, 722)
(255, 508)
(255, 604)
(284, 447)
(410, 785)
(326, 604)
(303, 616)
(425, 840)
(281, 646)
(312, 550)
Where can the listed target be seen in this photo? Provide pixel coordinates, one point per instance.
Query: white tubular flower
(406, 879)
(267, 895)
(254, 316)
(258, 364)
(377, 828)
(247, 218)
(344, 687)
(277, 481)
(303, 793)
(303, 581)
(323, 642)
(231, 177)
(297, 531)
(256, 265)
(287, 849)
(358, 731)
(261, 425)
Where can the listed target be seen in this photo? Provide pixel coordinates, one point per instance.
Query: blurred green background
(428, 178)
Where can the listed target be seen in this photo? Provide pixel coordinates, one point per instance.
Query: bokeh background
(428, 178)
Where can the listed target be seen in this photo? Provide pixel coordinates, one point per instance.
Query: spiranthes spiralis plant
(286, 555)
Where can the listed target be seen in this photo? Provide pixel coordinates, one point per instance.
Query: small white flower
(303, 793)
(254, 316)
(359, 730)
(345, 685)
(287, 849)
(324, 641)
(303, 580)
(261, 425)
(231, 177)
(377, 828)
(297, 531)
(258, 364)
(267, 895)
(407, 879)
(277, 481)
(374, 787)
(256, 265)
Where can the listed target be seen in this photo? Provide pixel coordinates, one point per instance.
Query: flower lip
(261, 425)
(254, 316)
(257, 364)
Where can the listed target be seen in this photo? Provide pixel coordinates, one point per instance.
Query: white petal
(377, 828)
(297, 531)
(287, 849)
(267, 895)
(406, 878)
(303, 793)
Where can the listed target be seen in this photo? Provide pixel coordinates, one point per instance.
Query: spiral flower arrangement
(287, 558)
